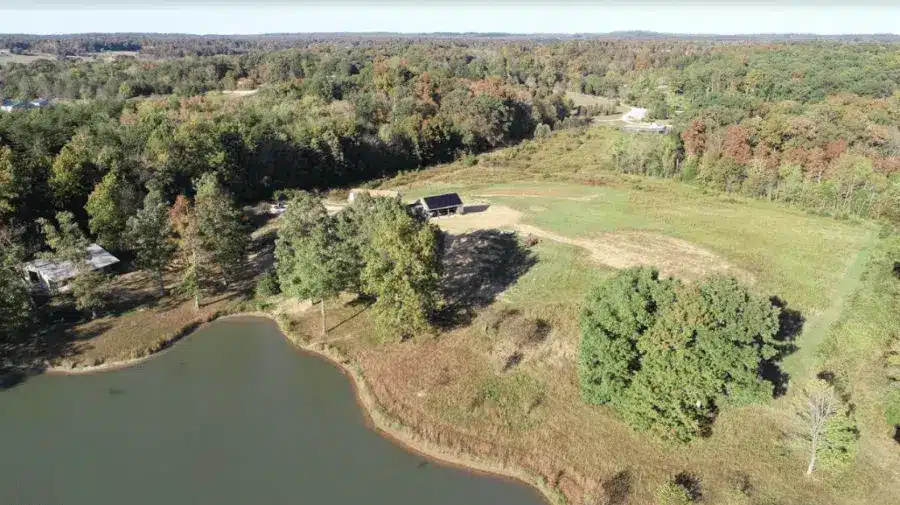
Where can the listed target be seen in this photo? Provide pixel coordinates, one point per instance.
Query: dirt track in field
(623, 249)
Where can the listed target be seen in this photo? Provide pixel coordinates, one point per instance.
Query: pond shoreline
(393, 430)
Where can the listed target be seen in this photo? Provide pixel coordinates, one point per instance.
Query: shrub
(671, 493)
(542, 131)
(267, 285)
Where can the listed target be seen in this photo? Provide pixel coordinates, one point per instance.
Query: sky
(280, 16)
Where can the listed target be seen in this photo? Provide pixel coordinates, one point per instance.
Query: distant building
(53, 276)
(372, 192)
(440, 205)
(10, 105)
(651, 128)
(636, 114)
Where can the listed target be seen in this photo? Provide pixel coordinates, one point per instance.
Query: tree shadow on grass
(617, 489)
(790, 325)
(29, 354)
(478, 266)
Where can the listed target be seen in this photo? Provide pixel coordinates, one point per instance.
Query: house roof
(442, 201)
(62, 270)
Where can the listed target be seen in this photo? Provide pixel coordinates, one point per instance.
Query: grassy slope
(534, 412)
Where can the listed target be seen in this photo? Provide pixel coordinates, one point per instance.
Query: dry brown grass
(452, 391)
(150, 328)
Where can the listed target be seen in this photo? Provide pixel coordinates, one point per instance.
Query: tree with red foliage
(694, 137)
(737, 144)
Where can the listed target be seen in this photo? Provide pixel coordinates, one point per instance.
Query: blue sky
(48, 16)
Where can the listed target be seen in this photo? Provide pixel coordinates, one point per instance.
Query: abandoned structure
(53, 276)
(439, 205)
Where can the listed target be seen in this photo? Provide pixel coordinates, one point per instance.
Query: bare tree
(818, 403)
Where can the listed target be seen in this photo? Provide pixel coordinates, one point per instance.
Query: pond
(231, 415)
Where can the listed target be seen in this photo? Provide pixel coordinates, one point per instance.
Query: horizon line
(492, 33)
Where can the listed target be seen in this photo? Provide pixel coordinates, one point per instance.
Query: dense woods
(811, 124)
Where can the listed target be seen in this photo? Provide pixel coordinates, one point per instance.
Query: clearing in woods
(498, 378)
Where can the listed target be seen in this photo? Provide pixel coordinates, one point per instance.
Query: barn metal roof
(62, 270)
(442, 201)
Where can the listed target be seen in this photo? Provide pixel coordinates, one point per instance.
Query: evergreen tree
(669, 356)
(221, 233)
(149, 233)
(615, 315)
(109, 205)
(16, 307)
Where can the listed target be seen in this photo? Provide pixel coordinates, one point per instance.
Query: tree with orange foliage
(737, 144)
(694, 137)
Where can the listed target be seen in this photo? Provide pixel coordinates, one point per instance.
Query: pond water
(230, 415)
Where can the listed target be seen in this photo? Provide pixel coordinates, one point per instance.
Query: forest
(810, 124)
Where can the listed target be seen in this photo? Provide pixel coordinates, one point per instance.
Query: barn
(441, 205)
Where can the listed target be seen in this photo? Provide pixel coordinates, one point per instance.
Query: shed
(373, 192)
(442, 205)
(52, 276)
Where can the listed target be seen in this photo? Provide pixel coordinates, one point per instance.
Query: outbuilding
(441, 205)
(54, 276)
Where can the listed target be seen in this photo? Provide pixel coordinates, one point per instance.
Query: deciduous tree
(69, 244)
(305, 252)
(402, 269)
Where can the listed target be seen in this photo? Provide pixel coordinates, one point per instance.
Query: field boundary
(820, 324)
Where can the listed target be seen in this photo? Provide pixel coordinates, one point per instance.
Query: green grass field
(562, 186)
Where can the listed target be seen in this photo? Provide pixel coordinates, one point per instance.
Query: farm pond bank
(230, 415)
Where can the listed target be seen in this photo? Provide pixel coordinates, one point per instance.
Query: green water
(231, 415)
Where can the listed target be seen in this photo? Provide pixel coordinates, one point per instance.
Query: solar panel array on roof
(442, 201)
